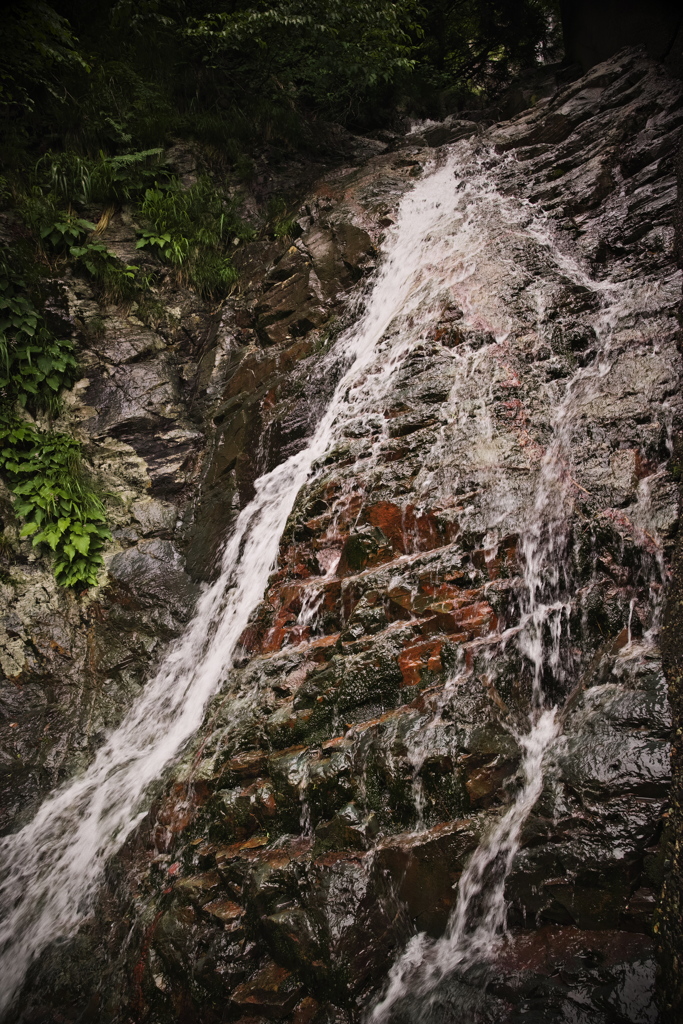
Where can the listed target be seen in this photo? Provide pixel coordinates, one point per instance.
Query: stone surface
(272, 993)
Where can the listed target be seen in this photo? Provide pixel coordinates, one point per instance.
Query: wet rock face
(554, 975)
(70, 666)
(385, 680)
(180, 408)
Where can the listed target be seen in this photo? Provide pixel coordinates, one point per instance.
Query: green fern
(43, 470)
(191, 229)
(34, 365)
(60, 510)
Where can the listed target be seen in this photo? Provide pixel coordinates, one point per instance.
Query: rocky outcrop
(286, 861)
(71, 666)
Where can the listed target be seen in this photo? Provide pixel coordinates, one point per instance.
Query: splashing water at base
(51, 868)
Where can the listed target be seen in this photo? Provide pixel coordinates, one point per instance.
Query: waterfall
(52, 867)
(478, 921)
(477, 925)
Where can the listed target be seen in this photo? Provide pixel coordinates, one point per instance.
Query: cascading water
(464, 242)
(51, 868)
(479, 920)
(478, 924)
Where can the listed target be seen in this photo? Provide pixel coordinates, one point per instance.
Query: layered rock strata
(669, 920)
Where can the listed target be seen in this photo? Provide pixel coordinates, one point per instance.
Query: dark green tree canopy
(129, 74)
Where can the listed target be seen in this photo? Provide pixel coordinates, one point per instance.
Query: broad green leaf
(81, 542)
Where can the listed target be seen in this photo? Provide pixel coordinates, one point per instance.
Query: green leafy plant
(150, 311)
(66, 230)
(125, 177)
(37, 209)
(92, 256)
(66, 234)
(6, 196)
(213, 274)
(175, 250)
(57, 229)
(67, 175)
(38, 48)
(95, 327)
(43, 470)
(332, 53)
(34, 365)
(191, 230)
(105, 179)
(59, 508)
(477, 44)
(118, 279)
(281, 223)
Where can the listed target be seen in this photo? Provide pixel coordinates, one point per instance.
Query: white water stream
(479, 919)
(50, 869)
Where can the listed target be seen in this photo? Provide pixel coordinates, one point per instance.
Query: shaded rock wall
(71, 666)
(595, 29)
(277, 876)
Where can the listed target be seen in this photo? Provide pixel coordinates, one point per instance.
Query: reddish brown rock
(484, 780)
(247, 765)
(418, 658)
(273, 993)
(305, 1011)
(426, 867)
(408, 529)
(226, 911)
(553, 948)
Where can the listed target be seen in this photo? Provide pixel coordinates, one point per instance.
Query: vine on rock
(43, 469)
(60, 510)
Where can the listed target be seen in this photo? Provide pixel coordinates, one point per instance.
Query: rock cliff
(490, 531)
